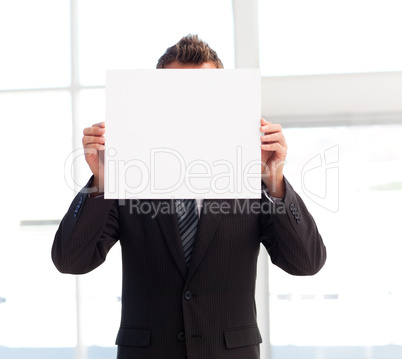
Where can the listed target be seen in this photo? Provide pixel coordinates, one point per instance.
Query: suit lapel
(207, 225)
(170, 230)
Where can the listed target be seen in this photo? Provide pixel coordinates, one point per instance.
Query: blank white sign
(183, 133)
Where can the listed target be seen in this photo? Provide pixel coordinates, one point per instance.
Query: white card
(183, 133)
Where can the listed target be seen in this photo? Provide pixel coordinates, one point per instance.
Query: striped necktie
(187, 219)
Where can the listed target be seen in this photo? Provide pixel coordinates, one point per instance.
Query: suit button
(188, 295)
(181, 336)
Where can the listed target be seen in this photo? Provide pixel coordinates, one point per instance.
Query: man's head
(192, 52)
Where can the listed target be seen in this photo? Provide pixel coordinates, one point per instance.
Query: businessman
(189, 272)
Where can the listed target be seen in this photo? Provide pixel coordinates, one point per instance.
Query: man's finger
(86, 140)
(94, 131)
(273, 137)
(94, 147)
(276, 146)
(271, 128)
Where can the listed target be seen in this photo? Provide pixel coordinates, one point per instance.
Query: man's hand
(94, 146)
(273, 155)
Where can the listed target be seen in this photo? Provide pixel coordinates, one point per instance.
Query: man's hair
(189, 50)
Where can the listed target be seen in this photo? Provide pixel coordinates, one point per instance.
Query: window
(327, 37)
(349, 178)
(35, 44)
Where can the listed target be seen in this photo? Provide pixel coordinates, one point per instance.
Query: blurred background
(331, 75)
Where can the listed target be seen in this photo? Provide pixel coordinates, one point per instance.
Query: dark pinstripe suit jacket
(206, 311)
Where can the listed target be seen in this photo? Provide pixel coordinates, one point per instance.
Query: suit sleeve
(85, 235)
(289, 233)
